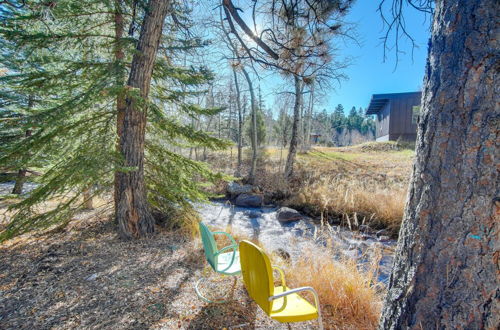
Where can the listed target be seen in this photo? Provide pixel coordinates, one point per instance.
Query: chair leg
(320, 320)
(197, 289)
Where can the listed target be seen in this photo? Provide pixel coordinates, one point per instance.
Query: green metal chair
(221, 261)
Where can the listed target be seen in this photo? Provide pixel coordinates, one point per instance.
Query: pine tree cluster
(64, 67)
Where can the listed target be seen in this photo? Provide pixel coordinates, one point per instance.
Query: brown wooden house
(397, 115)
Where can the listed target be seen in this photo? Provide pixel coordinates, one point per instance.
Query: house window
(415, 114)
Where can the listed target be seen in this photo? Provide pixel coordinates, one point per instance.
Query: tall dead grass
(353, 202)
(348, 296)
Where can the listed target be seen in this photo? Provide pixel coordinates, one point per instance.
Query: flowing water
(294, 237)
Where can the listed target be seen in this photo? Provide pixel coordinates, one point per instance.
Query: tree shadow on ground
(238, 314)
(89, 278)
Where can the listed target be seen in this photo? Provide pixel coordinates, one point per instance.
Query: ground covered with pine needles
(85, 277)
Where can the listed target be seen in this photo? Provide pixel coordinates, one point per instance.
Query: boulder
(235, 189)
(252, 200)
(286, 214)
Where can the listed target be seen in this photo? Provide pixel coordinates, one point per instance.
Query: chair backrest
(209, 245)
(257, 274)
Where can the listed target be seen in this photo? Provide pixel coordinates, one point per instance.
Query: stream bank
(294, 237)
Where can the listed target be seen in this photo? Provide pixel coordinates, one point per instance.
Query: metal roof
(378, 101)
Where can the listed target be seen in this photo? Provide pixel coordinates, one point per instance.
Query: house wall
(400, 123)
(382, 124)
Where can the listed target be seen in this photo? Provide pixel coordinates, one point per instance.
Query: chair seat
(224, 260)
(292, 308)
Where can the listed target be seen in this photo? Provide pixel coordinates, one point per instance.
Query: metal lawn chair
(280, 303)
(220, 260)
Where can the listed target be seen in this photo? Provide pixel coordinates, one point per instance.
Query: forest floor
(364, 184)
(85, 277)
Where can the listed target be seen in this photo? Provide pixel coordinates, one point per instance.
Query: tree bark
(133, 216)
(292, 150)
(253, 104)
(446, 270)
(21, 174)
(310, 111)
(88, 202)
(120, 81)
(240, 123)
(20, 180)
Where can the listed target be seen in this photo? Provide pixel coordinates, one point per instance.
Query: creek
(296, 237)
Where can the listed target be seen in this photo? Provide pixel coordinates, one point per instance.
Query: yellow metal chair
(280, 303)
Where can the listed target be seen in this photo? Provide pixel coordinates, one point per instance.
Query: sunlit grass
(364, 184)
(349, 296)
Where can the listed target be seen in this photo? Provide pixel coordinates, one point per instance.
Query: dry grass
(354, 202)
(365, 184)
(349, 296)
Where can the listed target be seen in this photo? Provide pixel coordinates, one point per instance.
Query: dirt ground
(85, 277)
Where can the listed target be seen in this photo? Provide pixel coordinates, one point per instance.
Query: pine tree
(338, 119)
(354, 120)
(80, 58)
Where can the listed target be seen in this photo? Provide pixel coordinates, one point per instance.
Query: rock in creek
(235, 189)
(286, 214)
(252, 200)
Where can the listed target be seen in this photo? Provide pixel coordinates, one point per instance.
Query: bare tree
(253, 106)
(253, 102)
(240, 121)
(294, 39)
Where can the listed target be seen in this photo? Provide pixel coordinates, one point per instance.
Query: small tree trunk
(21, 174)
(20, 180)
(309, 119)
(133, 215)
(292, 150)
(87, 199)
(300, 136)
(240, 123)
(253, 104)
(445, 274)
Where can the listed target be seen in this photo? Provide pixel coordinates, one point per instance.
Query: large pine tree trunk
(446, 271)
(120, 99)
(132, 214)
(292, 150)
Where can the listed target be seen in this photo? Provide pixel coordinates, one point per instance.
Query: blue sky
(368, 74)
